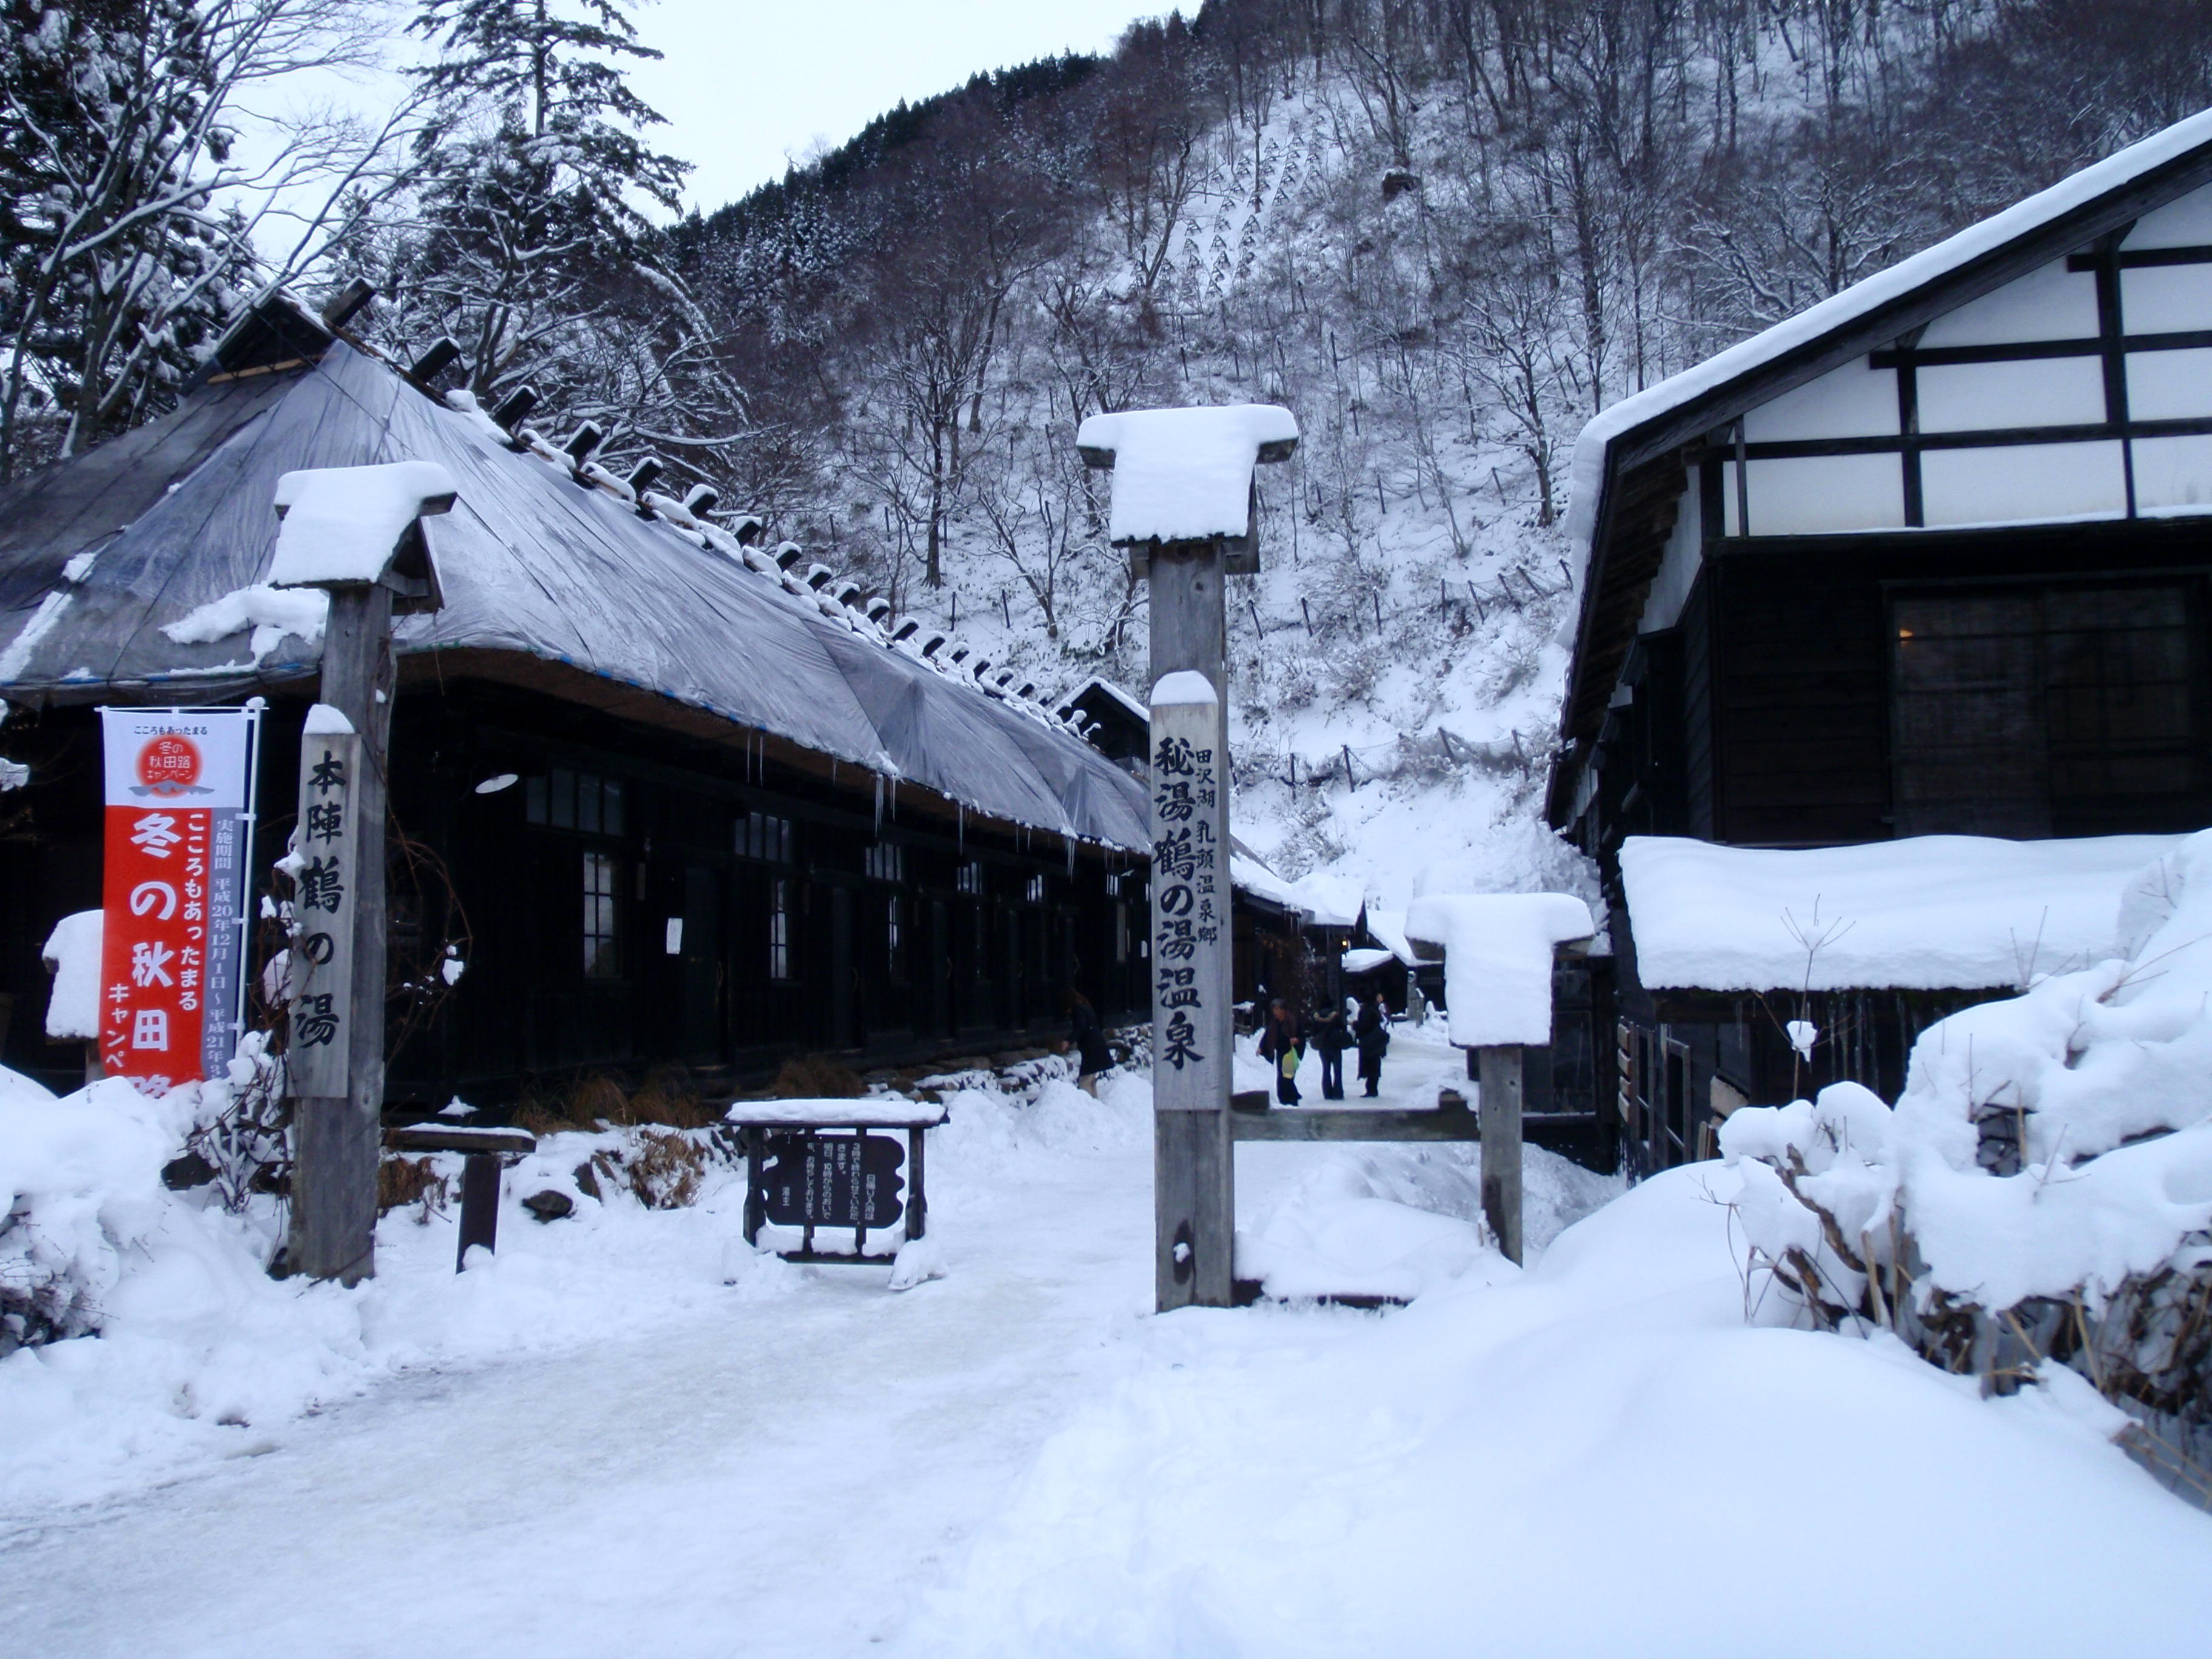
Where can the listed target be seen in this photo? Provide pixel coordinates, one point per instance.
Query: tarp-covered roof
(179, 514)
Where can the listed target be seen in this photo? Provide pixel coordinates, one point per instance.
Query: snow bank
(342, 524)
(72, 957)
(173, 1344)
(2044, 1186)
(1184, 474)
(1927, 913)
(1428, 1481)
(1497, 951)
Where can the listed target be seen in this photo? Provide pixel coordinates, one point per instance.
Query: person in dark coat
(1372, 1028)
(1283, 1042)
(1331, 1037)
(1087, 1038)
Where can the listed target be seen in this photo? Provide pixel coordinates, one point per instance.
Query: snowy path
(1597, 1457)
(783, 1476)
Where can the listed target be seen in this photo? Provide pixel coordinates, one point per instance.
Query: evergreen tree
(530, 228)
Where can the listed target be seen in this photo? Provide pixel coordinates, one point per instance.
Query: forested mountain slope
(1444, 232)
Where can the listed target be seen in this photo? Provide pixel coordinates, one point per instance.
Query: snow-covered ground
(599, 1446)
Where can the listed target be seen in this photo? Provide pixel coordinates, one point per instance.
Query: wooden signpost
(335, 1057)
(1185, 510)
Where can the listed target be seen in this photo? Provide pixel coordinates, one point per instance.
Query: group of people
(1363, 1025)
(1284, 1040)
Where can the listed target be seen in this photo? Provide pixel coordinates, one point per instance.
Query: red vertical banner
(173, 891)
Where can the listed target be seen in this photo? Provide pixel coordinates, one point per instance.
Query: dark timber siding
(1801, 664)
(1799, 674)
(1700, 809)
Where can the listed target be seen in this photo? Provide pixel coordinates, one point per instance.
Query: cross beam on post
(1185, 510)
(356, 534)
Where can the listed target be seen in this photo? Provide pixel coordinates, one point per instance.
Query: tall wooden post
(1500, 1079)
(1185, 507)
(1193, 1174)
(338, 1108)
(360, 540)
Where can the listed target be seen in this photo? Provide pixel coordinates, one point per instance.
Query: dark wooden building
(1931, 558)
(677, 801)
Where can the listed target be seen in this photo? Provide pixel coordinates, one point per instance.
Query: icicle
(1068, 842)
(879, 804)
(960, 825)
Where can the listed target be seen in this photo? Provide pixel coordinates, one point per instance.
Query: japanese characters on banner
(325, 894)
(1191, 945)
(179, 795)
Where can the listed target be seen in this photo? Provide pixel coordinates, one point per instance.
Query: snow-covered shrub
(82, 1187)
(2042, 1192)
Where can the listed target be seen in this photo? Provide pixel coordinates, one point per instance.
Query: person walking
(1283, 1042)
(1372, 1028)
(1332, 1035)
(1087, 1038)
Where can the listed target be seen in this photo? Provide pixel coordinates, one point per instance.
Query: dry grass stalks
(816, 1077)
(668, 1098)
(407, 1181)
(666, 1171)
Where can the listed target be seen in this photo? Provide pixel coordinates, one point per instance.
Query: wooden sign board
(809, 1180)
(1191, 939)
(326, 897)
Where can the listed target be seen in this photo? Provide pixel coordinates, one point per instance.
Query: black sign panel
(832, 1181)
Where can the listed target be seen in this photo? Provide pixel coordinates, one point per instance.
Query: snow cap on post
(346, 526)
(1497, 951)
(1182, 689)
(1187, 475)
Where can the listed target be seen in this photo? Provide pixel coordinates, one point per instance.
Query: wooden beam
(1349, 1124)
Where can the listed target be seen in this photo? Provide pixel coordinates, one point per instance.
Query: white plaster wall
(2020, 482)
(1854, 401)
(2049, 303)
(2185, 223)
(2169, 386)
(1980, 397)
(2173, 476)
(2166, 299)
(1819, 494)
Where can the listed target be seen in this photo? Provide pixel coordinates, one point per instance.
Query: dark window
(779, 928)
(602, 946)
(764, 836)
(564, 799)
(969, 879)
(2053, 711)
(886, 861)
(895, 937)
(1036, 889)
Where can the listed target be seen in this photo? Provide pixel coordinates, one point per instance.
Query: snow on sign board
(1927, 913)
(342, 524)
(1497, 960)
(1184, 474)
(173, 892)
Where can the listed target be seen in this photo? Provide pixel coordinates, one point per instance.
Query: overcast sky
(748, 84)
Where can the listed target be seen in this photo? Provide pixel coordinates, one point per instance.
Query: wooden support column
(1194, 1172)
(1500, 1070)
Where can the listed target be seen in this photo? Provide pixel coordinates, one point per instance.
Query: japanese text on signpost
(1190, 898)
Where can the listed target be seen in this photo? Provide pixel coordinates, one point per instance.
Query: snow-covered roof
(1498, 951)
(1184, 474)
(1331, 901)
(1108, 689)
(1927, 913)
(1387, 929)
(341, 524)
(1863, 299)
(103, 557)
(1247, 874)
(1365, 960)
